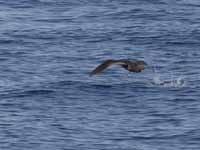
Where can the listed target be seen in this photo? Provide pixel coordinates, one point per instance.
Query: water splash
(171, 82)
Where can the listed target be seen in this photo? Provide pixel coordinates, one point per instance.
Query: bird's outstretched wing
(105, 65)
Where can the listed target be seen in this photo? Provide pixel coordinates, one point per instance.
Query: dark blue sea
(49, 101)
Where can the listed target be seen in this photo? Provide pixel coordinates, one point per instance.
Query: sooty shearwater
(130, 65)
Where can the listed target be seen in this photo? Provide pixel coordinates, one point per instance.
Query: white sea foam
(173, 81)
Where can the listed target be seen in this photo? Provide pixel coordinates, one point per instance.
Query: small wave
(24, 93)
(32, 93)
(39, 91)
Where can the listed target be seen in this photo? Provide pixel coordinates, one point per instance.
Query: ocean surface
(48, 100)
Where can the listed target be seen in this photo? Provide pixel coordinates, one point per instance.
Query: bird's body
(130, 65)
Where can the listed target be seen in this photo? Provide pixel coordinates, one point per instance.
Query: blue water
(48, 101)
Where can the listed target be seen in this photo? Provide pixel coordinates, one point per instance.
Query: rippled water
(48, 101)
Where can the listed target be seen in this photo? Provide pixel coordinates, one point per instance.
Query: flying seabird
(130, 65)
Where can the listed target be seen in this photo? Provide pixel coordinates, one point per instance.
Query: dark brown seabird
(130, 65)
